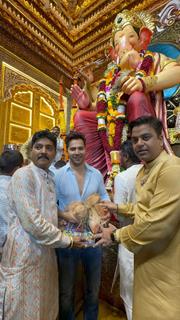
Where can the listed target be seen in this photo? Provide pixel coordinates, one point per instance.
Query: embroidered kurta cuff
(66, 241)
(125, 210)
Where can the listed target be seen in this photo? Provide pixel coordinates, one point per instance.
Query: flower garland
(111, 103)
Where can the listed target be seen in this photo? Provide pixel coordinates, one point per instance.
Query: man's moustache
(43, 157)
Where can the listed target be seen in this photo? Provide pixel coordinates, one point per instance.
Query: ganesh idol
(132, 87)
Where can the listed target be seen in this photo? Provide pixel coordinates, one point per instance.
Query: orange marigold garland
(110, 113)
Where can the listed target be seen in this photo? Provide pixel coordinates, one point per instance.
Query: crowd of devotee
(57, 212)
(40, 226)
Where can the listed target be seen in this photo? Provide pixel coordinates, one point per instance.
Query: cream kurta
(28, 270)
(155, 239)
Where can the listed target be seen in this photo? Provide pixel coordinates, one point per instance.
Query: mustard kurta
(28, 269)
(155, 239)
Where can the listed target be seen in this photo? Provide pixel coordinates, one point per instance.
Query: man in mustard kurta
(154, 237)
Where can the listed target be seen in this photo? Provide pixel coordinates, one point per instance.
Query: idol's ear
(145, 36)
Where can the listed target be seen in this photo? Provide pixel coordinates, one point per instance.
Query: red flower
(101, 106)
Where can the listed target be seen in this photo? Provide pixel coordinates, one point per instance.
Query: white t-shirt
(124, 192)
(59, 149)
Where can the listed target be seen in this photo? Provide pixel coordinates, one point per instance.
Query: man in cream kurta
(28, 270)
(154, 237)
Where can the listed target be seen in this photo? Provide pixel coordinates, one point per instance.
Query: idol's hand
(80, 96)
(131, 84)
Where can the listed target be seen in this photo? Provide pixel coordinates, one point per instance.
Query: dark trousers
(91, 259)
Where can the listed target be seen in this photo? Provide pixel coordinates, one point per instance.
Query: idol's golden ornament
(150, 83)
(136, 19)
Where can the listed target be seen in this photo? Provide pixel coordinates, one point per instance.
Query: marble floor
(106, 312)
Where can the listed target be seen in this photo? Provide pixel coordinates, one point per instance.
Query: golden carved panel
(62, 122)
(62, 116)
(18, 134)
(46, 122)
(27, 106)
(24, 98)
(20, 115)
(73, 112)
(45, 107)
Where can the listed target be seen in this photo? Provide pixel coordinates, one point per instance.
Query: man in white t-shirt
(124, 192)
(60, 143)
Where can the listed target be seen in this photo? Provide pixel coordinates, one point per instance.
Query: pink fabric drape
(86, 122)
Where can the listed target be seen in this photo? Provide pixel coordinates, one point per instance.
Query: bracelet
(149, 83)
(71, 242)
(143, 84)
